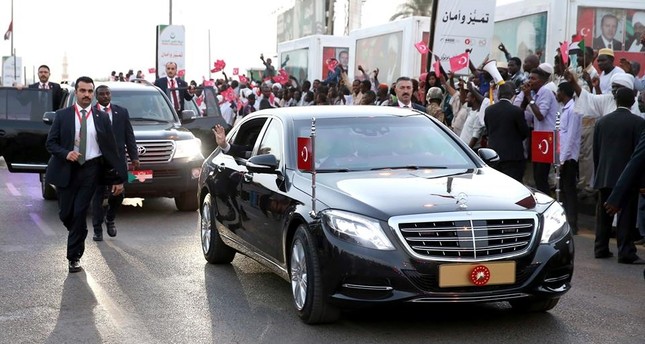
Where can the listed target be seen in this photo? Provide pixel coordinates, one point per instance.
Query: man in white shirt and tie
(176, 88)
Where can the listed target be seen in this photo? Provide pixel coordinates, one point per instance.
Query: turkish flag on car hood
(305, 154)
(542, 147)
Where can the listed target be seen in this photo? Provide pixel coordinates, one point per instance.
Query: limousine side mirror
(264, 163)
(48, 117)
(187, 116)
(488, 155)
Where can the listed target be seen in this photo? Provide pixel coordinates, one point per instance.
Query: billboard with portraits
(522, 36)
(296, 63)
(341, 54)
(616, 28)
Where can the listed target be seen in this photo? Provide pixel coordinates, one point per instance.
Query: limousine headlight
(357, 229)
(188, 148)
(555, 224)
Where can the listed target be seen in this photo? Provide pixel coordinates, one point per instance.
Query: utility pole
(169, 13)
(209, 54)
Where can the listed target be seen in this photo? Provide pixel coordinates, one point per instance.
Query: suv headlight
(357, 229)
(555, 224)
(188, 148)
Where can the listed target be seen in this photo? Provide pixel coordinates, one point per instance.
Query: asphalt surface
(150, 284)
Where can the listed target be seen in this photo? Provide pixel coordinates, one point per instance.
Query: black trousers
(74, 201)
(101, 212)
(624, 228)
(513, 169)
(541, 176)
(569, 194)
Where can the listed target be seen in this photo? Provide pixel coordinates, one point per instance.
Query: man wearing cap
(608, 70)
(608, 26)
(598, 105)
(638, 21)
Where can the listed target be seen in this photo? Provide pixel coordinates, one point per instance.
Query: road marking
(12, 189)
(44, 227)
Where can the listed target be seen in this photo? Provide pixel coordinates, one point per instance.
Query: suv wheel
(48, 191)
(186, 201)
(214, 249)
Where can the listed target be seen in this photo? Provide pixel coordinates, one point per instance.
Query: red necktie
(174, 95)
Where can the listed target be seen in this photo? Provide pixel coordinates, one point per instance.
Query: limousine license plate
(142, 175)
(476, 274)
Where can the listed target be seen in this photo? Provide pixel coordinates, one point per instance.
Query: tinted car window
(272, 140)
(146, 104)
(383, 142)
(26, 104)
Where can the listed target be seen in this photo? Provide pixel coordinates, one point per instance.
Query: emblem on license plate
(480, 275)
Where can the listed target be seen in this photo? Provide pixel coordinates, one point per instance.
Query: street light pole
(170, 13)
(209, 54)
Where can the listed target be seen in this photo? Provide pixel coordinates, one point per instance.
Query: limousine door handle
(248, 177)
(221, 168)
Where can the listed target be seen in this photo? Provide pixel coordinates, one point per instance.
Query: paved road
(151, 284)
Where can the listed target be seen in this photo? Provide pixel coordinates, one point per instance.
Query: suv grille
(154, 151)
(466, 237)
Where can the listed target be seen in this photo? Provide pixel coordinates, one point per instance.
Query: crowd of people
(598, 112)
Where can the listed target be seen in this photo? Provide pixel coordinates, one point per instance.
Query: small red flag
(422, 47)
(236, 71)
(219, 65)
(181, 73)
(152, 70)
(305, 154)
(243, 79)
(542, 149)
(7, 34)
(459, 62)
(437, 67)
(564, 52)
(332, 63)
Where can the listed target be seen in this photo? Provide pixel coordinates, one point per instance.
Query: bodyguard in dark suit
(83, 154)
(403, 89)
(45, 84)
(172, 81)
(615, 137)
(631, 181)
(124, 137)
(507, 130)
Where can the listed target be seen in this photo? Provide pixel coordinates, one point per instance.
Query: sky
(100, 36)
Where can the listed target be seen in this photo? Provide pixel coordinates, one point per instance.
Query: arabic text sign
(461, 25)
(11, 71)
(171, 47)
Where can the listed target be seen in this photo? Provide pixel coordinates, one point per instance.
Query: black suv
(171, 146)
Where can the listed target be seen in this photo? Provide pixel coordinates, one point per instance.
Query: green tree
(414, 8)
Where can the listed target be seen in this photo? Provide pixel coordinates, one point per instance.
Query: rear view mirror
(48, 117)
(187, 116)
(488, 155)
(265, 163)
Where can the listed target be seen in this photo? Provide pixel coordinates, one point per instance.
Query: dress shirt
(172, 83)
(401, 105)
(107, 109)
(92, 149)
(472, 126)
(570, 133)
(548, 105)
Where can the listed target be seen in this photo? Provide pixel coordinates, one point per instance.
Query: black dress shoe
(111, 229)
(637, 260)
(604, 255)
(75, 266)
(98, 237)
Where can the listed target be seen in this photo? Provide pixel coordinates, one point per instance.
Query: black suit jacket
(615, 137)
(598, 43)
(182, 86)
(57, 93)
(507, 129)
(632, 176)
(123, 133)
(60, 142)
(414, 106)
